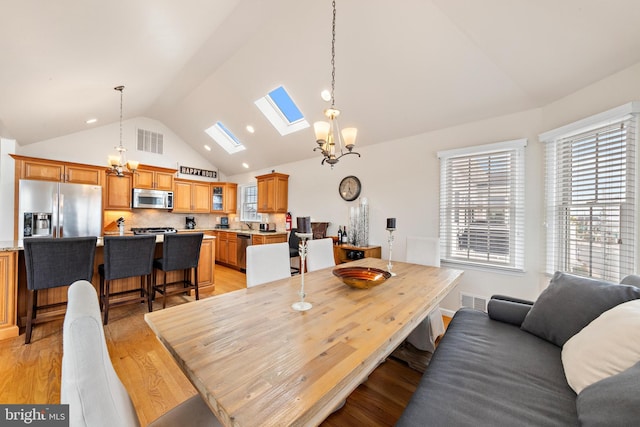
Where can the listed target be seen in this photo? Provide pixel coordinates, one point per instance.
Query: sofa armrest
(508, 310)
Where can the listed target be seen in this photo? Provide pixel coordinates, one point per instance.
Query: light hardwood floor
(31, 373)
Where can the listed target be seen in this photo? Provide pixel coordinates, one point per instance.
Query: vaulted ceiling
(402, 68)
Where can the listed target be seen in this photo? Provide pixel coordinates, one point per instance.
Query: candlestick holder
(302, 305)
(390, 240)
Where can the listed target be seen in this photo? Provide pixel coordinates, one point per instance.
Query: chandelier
(331, 141)
(118, 163)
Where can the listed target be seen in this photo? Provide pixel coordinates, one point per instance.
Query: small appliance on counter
(267, 226)
(224, 222)
(190, 223)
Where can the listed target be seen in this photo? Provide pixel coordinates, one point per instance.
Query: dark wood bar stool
(51, 263)
(126, 256)
(179, 252)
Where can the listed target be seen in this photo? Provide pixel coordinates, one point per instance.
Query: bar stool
(52, 263)
(128, 256)
(179, 252)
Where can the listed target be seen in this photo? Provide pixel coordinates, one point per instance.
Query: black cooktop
(154, 230)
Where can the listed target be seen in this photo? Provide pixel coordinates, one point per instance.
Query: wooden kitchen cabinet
(117, 194)
(273, 193)
(154, 178)
(224, 197)
(265, 239)
(206, 265)
(191, 196)
(8, 294)
(227, 248)
(341, 252)
(51, 170)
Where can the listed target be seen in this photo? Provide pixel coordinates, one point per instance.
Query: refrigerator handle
(61, 216)
(54, 216)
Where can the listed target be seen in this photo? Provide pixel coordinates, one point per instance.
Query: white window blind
(482, 205)
(249, 203)
(590, 198)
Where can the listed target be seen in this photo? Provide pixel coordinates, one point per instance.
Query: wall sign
(198, 172)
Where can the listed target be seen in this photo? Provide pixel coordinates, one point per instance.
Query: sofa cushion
(486, 372)
(612, 401)
(605, 347)
(570, 303)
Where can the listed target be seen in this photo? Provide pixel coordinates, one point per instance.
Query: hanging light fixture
(118, 163)
(328, 135)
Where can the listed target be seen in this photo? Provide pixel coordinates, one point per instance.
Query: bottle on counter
(345, 239)
(339, 234)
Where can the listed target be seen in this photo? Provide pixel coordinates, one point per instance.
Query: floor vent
(473, 301)
(151, 142)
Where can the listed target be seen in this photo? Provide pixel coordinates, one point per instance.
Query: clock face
(349, 188)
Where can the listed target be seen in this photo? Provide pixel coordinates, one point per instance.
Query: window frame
(513, 206)
(562, 201)
(244, 189)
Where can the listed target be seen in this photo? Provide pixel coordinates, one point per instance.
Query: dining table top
(256, 361)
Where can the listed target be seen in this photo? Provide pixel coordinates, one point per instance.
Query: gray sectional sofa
(521, 364)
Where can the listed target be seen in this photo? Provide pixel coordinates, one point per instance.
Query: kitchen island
(13, 281)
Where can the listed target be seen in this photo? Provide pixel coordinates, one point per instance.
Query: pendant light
(118, 163)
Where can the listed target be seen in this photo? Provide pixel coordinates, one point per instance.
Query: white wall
(401, 179)
(7, 174)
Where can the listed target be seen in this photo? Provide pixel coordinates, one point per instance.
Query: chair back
(90, 385)
(424, 251)
(267, 263)
(181, 251)
(320, 254)
(128, 256)
(58, 262)
(294, 242)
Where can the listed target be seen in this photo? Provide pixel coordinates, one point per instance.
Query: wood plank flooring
(31, 373)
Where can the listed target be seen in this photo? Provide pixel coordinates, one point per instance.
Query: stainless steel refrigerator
(57, 209)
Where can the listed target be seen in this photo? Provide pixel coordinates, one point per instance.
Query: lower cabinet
(227, 248)
(8, 294)
(262, 239)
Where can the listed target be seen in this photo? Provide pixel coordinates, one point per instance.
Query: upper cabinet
(224, 197)
(273, 193)
(191, 196)
(154, 178)
(117, 194)
(51, 170)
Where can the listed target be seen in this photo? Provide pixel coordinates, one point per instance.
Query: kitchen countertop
(18, 245)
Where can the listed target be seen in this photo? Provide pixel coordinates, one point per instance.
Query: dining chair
(126, 256)
(51, 263)
(267, 263)
(425, 251)
(90, 385)
(320, 254)
(294, 250)
(179, 252)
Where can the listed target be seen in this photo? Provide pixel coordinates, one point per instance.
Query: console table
(341, 252)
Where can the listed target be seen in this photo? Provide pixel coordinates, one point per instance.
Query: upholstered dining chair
(52, 263)
(425, 251)
(320, 254)
(267, 263)
(294, 252)
(180, 252)
(126, 256)
(90, 385)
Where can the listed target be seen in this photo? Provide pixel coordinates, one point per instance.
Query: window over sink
(249, 203)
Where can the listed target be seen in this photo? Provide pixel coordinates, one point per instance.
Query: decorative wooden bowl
(361, 277)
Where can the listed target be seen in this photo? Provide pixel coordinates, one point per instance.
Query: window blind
(482, 205)
(590, 198)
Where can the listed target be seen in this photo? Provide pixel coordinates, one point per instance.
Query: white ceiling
(402, 68)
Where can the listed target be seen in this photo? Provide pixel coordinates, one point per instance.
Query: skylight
(278, 107)
(225, 138)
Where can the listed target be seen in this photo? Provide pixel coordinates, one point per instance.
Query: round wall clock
(349, 188)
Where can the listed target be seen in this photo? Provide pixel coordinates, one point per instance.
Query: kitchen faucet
(249, 225)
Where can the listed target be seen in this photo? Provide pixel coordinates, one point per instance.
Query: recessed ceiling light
(326, 95)
(246, 166)
(91, 121)
(250, 129)
(206, 147)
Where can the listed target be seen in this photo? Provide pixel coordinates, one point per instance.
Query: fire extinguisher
(288, 221)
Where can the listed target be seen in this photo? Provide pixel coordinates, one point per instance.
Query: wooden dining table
(256, 361)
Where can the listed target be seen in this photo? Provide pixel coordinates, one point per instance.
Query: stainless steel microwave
(152, 199)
